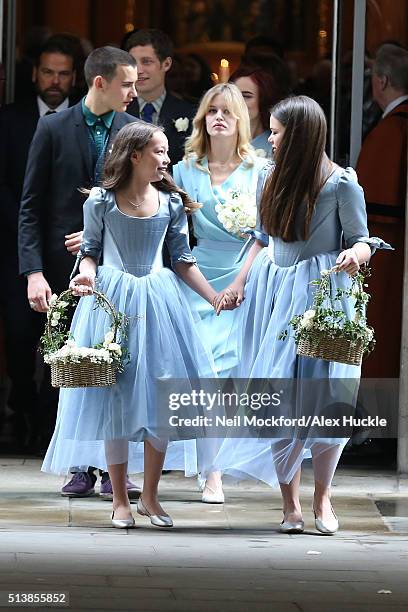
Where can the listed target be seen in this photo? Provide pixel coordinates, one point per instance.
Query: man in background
(153, 52)
(382, 172)
(53, 77)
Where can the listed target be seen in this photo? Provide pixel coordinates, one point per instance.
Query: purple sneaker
(107, 493)
(81, 485)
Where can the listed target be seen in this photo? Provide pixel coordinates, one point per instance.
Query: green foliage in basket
(330, 321)
(59, 346)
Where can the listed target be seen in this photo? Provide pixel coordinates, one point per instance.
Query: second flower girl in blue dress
(311, 218)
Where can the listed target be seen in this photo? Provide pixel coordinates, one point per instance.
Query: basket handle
(101, 296)
(355, 280)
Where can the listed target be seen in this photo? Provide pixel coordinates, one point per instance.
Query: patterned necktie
(147, 112)
(50, 112)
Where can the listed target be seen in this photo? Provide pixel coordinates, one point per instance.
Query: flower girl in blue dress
(126, 222)
(308, 208)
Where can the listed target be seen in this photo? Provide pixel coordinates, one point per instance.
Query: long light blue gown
(163, 336)
(278, 288)
(217, 250)
(217, 253)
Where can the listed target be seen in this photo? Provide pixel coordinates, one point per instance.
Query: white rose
(56, 315)
(109, 336)
(53, 299)
(306, 323)
(115, 347)
(309, 314)
(260, 152)
(181, 124)
(242, 220)
(54, 322)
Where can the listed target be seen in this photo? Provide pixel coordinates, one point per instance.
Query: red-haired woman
(261, 91)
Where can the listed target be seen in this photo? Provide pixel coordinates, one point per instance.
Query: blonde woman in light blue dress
(219, 157)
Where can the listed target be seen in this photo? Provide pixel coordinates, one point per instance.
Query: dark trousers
(34, 410)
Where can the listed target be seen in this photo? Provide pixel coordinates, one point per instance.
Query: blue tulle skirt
(163, 340)
(273, 296)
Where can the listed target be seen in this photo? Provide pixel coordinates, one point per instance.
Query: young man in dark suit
(53, 78)
(68, 152)
(153, 51)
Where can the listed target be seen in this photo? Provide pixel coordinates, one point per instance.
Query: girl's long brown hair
(299, 174)
(118, 167)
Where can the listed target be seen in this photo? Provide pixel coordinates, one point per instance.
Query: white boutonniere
(181, 124)
(260, 152)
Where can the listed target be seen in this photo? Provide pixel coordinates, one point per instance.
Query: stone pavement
(217, 558)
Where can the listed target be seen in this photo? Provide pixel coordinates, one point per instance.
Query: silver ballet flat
(292, 527)
(327, 527)
(122, 523)
(158, 520)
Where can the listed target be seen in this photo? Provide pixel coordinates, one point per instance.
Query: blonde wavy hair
(198, 144)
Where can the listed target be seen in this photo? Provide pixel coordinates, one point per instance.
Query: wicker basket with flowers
(325, 331)
(78, 366)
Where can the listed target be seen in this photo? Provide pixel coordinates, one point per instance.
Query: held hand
(38, 292)
(73, 242)
(230, 298)
(223, 300)
(348, 262)
(82, 284)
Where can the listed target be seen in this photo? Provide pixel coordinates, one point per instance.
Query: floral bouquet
(238, 212)
(325, 332)
(80, 366)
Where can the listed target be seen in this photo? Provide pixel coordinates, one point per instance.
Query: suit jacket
(18, 122)
(173, 108)
(59, 163)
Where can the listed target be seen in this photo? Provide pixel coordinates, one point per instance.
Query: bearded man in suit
(53, 77)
